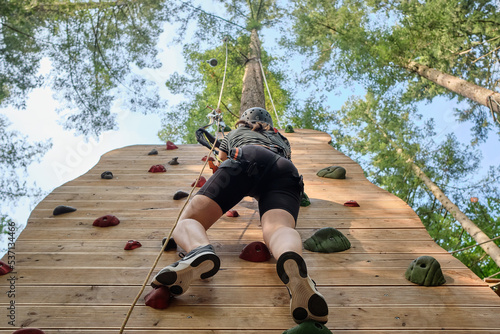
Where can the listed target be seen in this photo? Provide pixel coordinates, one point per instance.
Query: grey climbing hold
(327, 240)
(59, 210)
(426, 271)
(308, 327)
(180, 195)
(107, 175)
(304, 200)
(332, 172)
(174, 161)
(153, 152)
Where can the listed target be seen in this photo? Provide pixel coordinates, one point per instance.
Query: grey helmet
(257, 114)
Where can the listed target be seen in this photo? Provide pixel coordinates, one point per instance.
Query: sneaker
(201, 262)
(306, 303)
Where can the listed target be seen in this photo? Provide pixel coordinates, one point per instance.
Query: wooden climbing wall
(76, 278)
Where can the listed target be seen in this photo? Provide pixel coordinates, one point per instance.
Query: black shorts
(258, 172)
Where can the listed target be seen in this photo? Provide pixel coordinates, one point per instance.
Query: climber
(256, 162)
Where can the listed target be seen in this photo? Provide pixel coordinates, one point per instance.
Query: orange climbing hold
(351, 203)
(212, 166)
(209, 159)
(232, 213)
(474, 199)
(4, 268)
(105, 221)
(158, 298)
(132, 244)
(200, 182)
(171, 146)
(255, 252)
(157, 169)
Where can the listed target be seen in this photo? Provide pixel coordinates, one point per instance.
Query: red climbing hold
(171, 146)
(29, 331)
(212, 166)
(157, 169)
(4, 268)
(351, 203)
(132, 244)
(255, 252)
(232, 213)
(105, 221)
(474, 199)
(209, 159)
(158, 298)
(200, 182)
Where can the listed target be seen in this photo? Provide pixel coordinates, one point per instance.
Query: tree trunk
(457, 85)
(475, 232)
(252, 94)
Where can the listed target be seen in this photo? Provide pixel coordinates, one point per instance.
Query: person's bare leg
(200, 214)
(278, 228)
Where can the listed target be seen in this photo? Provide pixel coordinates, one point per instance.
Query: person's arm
(222, 155)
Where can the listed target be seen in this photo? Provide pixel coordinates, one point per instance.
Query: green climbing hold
(308, 327)
(304, 200)
(425, 270)
(327, 240)
(332, 172)
(289, 129)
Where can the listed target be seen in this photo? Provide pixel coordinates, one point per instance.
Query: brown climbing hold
(174, 161)
(255, 252)
(171, 146)
(351, 203)
(200, 182)
(232, 213)
(132, 244)
(59, 210)
(158, 298)
(212, 166)
(157, 169)
(105, 221)
(180, 195)
(4, 268)
(29, 331)
(209, 159)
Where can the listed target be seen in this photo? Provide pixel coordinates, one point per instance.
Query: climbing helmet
(257, 114)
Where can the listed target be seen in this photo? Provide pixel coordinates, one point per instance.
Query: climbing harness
(269, 93)
(148, 277)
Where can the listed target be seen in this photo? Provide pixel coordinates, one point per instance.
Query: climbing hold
(153, 152)
(107, 175)
(327, 240)
(158, 298)
(200, 182)
(255, 252)
(212, 166)
(425, 270)
(474, 199)
(209, 159)
(332, 172)
(232, 213)
(227, 128)
(105, 221)
(174, 161)
(180, 195)
(4, 268)
(171, 244)
(212, 62)
(59, 210)
(304, 200)
(29, 331)
(171, 146)
(157, 169)
(289, 129)
(351, 203)
(132, 244)
(308, 327)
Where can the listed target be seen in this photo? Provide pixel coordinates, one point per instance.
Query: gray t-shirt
(245, 136)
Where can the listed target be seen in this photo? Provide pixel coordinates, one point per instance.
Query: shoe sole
(306, 303)
(178, 279)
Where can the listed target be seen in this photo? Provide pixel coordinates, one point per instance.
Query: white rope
(269, 93)
(223, 78)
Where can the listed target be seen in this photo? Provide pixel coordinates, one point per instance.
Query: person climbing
(255, 162)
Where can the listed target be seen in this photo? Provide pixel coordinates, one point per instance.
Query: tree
(456, 39)
(383, 130)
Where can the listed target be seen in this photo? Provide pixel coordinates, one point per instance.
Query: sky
(72, 156)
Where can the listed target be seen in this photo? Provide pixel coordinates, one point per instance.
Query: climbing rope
(148, 277)
(269, 93)
(490, 105)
